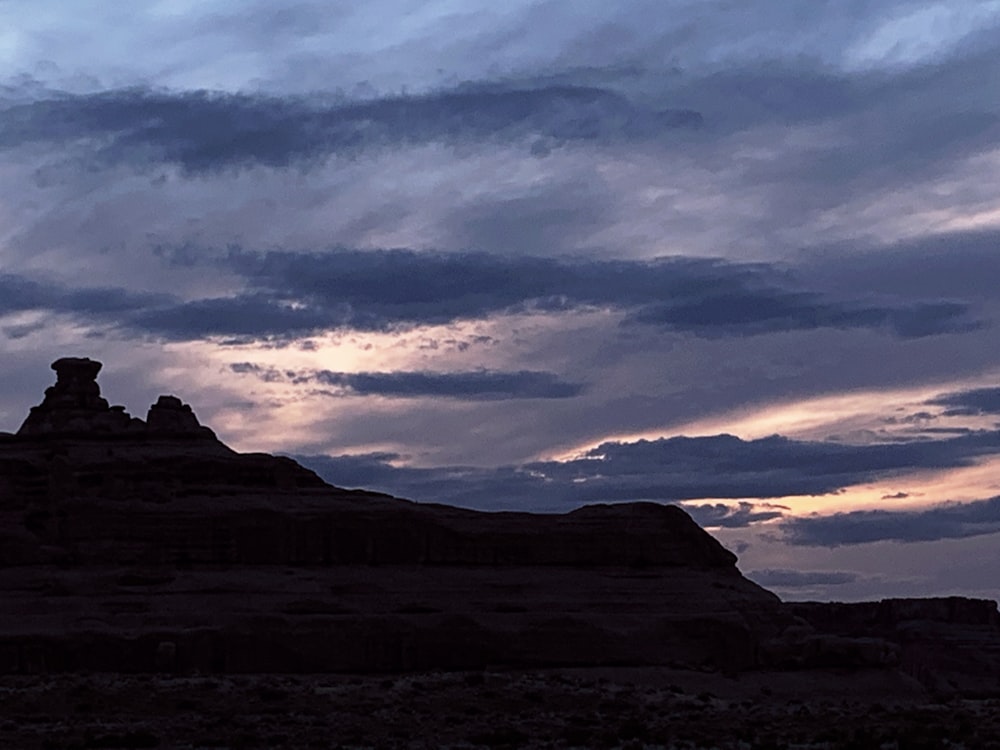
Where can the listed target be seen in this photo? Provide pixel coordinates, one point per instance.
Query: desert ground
(629, 708)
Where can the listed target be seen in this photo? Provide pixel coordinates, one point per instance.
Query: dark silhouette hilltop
(133, 545)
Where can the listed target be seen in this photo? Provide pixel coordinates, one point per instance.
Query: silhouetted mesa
(137, 545)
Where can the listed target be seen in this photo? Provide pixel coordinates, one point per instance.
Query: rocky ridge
(137, 545)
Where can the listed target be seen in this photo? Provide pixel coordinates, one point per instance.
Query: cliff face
(148, 545)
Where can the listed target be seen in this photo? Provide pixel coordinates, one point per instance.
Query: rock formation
(143, 546)
(951, 644)
(74, 403)
(74, 406)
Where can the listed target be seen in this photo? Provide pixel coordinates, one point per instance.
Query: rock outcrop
(74, 407)
(74, 403)
(148, 545)
(951, 644)
(169, 415)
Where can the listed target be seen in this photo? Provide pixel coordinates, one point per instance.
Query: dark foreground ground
(605, 708)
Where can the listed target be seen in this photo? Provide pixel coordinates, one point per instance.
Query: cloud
(728, 516)
(251, 316)
(386, 286)
(291, 294)
(18, 293)
(749, 313)
(665, 470)
(543, 221)
(962, 264)
(949, 521)
(801, 578)
(310, 45)
(501, 488)
(710, 298)
(478, 385)
(970, 403)
(205, 132)
(896, 496)
(727, 466)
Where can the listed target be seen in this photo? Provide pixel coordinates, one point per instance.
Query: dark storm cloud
(249, 315)
(252, 316)
(971, 403)
(799, 578)
(668, 470)
(18, 293)
(292, 294)
(479, 385)
(951, 521)
(405, 286)
(379, 289)
(204, 131)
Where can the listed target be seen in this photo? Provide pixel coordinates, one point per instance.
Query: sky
(744, 257)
